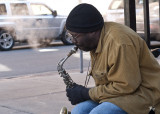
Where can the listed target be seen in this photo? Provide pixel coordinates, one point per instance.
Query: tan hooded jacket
(125, 71)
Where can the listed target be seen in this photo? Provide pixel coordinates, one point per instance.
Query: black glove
(77, 94)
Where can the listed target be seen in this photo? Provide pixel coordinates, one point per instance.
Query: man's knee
(84, 107)
(107, 108)
(79, 109)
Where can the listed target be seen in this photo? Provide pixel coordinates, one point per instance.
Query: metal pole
(130, 14)
(81, 61)
(159, 14)
(146, 22)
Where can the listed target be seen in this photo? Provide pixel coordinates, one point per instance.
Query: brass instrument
(66, 78)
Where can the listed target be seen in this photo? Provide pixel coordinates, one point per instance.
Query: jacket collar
(100, 43)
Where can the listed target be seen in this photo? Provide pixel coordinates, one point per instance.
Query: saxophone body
(66, 77)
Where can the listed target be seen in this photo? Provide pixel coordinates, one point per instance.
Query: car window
(40, 9)
(3, 10)
(19, 9)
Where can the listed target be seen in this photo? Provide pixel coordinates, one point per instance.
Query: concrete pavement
(37, 93)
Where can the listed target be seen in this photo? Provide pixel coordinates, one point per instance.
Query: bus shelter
(130, 19)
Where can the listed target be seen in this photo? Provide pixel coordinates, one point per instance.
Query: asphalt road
(25, 60)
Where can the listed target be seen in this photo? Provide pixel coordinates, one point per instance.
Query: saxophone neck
(61, 62)
(73, 50)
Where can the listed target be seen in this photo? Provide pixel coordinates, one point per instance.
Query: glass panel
(19, 9)
(154, 19)
(3, 10)
(39, 9)
(116, 4)
(115, 11)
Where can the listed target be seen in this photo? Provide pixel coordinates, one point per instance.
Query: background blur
(65, 6)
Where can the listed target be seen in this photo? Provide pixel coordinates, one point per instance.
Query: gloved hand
(77, 94)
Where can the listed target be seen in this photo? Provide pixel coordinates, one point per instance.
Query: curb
(28, 46)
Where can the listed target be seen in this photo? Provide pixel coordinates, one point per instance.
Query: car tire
(6, 40)
(65, 38)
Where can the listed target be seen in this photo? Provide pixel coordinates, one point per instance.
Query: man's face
(84, 41)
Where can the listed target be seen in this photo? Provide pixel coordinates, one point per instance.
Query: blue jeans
(91, 107)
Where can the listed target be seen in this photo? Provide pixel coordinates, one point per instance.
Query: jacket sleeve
(123, 75)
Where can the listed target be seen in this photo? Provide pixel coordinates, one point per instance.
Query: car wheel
(66, 39)
(6, 41)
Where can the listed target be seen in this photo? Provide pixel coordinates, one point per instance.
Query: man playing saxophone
(126, 74)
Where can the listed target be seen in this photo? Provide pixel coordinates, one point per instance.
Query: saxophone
(66, 78)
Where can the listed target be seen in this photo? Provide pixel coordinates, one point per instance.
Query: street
(21, 62)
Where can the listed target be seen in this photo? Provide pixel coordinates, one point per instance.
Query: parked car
(115, 13)
(30, 21)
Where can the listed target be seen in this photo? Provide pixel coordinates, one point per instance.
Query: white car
(31, 21)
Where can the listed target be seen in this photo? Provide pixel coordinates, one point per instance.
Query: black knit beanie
(84, 18)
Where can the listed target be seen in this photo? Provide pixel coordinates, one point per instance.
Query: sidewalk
(38, 93)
